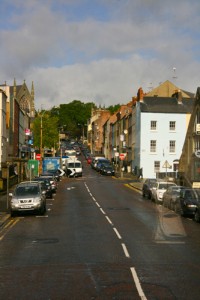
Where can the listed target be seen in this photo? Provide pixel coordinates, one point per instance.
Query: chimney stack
(180, 98)
(140, 95)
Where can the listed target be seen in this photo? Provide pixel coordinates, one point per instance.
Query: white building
(159, 133)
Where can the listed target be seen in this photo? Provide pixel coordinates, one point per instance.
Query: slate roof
(166, 105)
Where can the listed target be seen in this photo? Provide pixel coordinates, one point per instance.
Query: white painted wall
(162, 135)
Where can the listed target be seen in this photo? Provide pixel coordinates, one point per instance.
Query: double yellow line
(7, 227)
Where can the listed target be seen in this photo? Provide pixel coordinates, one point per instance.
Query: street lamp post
(41, 136)
(41, 141)
(83, 130)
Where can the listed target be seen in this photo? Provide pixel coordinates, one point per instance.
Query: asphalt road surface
(99, 239)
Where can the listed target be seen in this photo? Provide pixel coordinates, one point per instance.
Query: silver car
(27, 196)
(159, 189)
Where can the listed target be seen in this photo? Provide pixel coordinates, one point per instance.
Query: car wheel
(42, 210)
(149, 195)
(197, 216)
(143, 194)
(12, 213)
(182, 213)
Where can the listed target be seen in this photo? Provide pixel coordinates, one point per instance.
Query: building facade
(189, 166)
(18, 112)
(160, 128)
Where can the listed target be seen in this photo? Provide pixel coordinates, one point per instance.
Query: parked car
(107, 169)
(197, 210)
(169, 197)
(147, 187)
(186, 203)
(89, 160)
(46, 186)
(95, 161)
(57, 173)
(53, 181)
(101, 163)
(159, 189)
(27, 196)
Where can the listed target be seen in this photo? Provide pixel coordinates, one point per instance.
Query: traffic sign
(166, 165)
(122, 156)
(38, 156)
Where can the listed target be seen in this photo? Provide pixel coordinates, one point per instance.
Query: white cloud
(104, 60)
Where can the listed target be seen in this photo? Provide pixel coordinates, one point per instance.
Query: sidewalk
(132, 180)
(4, 213)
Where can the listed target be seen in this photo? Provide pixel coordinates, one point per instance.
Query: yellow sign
(166, 165)
(196, 185)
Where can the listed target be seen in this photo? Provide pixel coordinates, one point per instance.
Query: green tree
(48, 126)
(113, 108)
(73, 116)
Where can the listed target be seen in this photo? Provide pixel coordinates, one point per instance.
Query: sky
(99, 51)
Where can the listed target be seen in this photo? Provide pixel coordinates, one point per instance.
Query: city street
(99, 239)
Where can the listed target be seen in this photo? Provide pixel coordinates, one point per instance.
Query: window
(172, 146)
(172, 125)
(196, 143)
(156, 166)
(153, 125)
(152, 146)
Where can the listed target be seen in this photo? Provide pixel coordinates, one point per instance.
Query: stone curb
(135, 186)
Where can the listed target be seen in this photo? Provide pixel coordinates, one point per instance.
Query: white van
(74, 168)
(70, 153)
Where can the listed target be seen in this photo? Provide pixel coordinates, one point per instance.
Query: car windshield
(191, 194)
(26, 190)
(152, 183)
(77, 165)
(162, 186)
(108, 167)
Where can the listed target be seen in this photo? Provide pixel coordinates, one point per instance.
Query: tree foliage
(70, 118)
(73, 116)
(48, 126)
(113, 108)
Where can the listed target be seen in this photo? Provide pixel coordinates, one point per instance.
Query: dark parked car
(101, 163)
(147, 187)
(95, 161)
(186, 203)
(197, 210)
(52, 180)
(56, 173)
(46, 185)
(169, 197)
(27, 196)
(107, 169)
